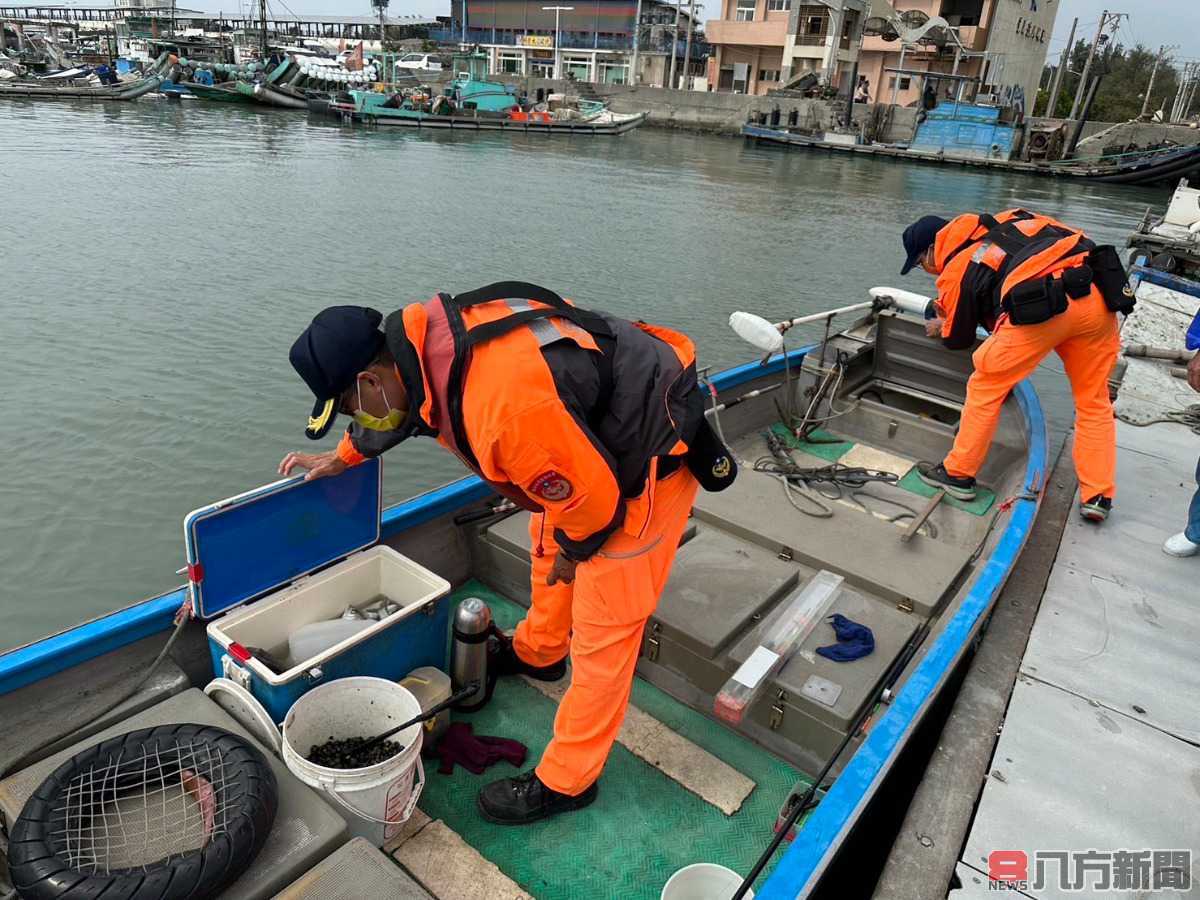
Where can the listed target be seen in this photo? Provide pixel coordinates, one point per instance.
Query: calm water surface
(157, 260)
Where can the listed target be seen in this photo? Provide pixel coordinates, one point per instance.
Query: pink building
(759, 43)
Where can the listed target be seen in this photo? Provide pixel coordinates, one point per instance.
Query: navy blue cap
(919, 237)
(329, 354)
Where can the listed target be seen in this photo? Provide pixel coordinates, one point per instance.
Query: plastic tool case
(274, 559)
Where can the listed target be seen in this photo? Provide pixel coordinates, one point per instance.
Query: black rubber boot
(524, 799)
(1096, 509)
(503, 660)
(935, 475)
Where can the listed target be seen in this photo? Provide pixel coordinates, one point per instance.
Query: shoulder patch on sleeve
(552, 487)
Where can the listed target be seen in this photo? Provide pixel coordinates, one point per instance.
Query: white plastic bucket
(703, 881)
(375, 800)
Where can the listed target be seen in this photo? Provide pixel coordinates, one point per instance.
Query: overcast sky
(1152, 22)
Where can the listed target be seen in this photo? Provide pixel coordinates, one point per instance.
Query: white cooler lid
(249, 713)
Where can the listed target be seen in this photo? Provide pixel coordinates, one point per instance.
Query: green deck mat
(983, 501)
(643, 826)
(827, 446)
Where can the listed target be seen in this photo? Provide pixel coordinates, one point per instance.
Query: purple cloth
(476, 752)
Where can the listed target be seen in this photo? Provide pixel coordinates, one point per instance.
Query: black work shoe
(503, 660)
(1096, 509)
(935, 475)
(524, 799)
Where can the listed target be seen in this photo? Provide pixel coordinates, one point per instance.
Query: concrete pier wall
(725, 113)
(720, 113)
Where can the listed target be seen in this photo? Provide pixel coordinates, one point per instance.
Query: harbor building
(595, 41)
(757, 45)
(1004, 46)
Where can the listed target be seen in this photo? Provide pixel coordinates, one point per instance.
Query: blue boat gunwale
(47, 656)
(806, 858)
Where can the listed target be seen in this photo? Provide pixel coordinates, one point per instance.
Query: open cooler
(267, 563)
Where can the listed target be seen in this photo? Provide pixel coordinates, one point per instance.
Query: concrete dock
(1070, 763)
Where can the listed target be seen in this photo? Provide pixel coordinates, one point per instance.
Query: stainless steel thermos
(469, 656)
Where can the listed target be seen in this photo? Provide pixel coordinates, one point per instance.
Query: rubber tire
(39, 871)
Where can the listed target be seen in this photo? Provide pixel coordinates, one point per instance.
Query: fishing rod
(768, 336)
(883, 695)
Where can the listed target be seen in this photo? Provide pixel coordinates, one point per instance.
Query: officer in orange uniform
(1037, 285)
(593, 423)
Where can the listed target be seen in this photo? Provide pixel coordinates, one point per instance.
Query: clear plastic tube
(788, 631)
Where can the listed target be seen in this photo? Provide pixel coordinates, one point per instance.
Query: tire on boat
(240, 793)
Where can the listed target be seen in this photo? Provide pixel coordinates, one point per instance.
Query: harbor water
(158, 259)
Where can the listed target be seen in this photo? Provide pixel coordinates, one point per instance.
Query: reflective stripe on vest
(543, 329)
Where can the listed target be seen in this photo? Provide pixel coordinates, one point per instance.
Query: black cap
(340, 343)
(919, 237)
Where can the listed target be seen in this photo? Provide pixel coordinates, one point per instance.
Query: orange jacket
(976, 271)
(535, 411)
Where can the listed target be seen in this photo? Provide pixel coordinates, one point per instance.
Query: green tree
(1125, 75)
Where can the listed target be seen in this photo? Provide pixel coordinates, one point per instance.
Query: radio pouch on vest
(1110, 277)
(1035, 301)
(1077, 281)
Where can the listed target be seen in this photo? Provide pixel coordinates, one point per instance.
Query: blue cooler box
(264, 563)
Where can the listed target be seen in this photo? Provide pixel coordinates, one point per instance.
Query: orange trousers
(599, 618)
(1087, 340)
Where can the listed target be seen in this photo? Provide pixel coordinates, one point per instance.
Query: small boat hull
(604, 123)
(71, 92)
(1151, 168)
(220, 93)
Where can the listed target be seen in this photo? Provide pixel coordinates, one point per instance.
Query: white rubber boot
(1179, 545)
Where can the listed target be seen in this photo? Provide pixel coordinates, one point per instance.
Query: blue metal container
(294, 552)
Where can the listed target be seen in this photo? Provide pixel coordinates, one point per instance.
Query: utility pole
(1087, 67)
(262, 12)
(674, 46)
(1187, 107)
(687, 50)
(1150, 87)
(1062, 67)
(635, 77)
(1181, 92)
(557, 37)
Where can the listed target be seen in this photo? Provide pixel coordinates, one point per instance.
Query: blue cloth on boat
(854, 640)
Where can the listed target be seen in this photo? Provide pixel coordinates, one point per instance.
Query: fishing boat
(225, 92)
(473, 103)
(65, 89)
(1171, 240)
(1165, 164)
(827, 515)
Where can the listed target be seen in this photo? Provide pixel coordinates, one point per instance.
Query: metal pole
(1083, 116)
(687, 50)
(1179, 92)
(675, 46)
(1150, 86)
(1087, 67)
(635, 76)
(557, 37)
(262, 11)
(1187, 105)
(1062, 67)
(896, 83)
